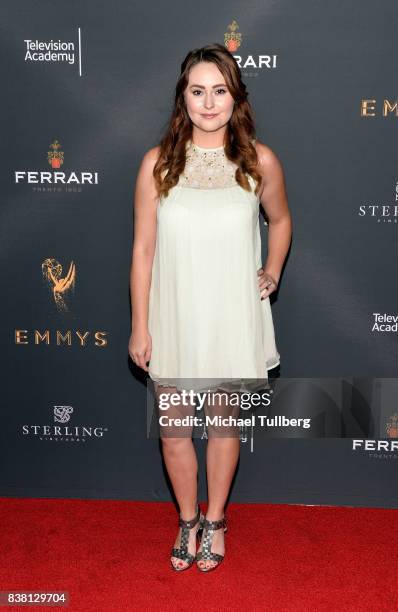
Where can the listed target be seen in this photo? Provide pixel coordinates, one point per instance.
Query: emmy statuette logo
(59, 284)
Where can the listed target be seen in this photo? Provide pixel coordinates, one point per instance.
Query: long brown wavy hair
(240, 129)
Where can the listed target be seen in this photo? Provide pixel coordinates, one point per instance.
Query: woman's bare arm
(273, 199)
(144, 242)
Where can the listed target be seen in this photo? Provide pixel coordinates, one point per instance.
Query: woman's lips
(210, 116)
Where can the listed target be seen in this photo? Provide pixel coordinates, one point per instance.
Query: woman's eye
(195, 91)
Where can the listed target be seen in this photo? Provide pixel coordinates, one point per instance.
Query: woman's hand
(140, 347)
(267, 284)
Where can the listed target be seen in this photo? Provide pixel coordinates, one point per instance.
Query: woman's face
(207, 98)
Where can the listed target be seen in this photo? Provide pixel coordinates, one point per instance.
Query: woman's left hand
(267, 284)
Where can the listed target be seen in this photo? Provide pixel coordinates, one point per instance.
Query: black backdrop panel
(87, 91)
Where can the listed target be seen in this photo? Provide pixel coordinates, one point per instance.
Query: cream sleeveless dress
(210, 328)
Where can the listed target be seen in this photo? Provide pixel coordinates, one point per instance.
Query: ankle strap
(192, 522)
(215, 524)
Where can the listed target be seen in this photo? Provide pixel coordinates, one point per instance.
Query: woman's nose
(209, 102)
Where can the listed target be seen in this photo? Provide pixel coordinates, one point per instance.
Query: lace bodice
(207, 168)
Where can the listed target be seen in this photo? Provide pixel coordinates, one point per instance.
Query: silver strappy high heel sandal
(182, 551)
(209, 527)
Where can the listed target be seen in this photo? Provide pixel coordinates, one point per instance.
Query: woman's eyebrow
(201, 86)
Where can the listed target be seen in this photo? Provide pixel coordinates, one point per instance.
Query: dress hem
(231, 384)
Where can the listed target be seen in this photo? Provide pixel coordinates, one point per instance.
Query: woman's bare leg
(182, 467)
(222, 456)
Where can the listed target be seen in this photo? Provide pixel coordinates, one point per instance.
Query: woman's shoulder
(261, 148)
(151, 156)
(148, 162)
(267, 158)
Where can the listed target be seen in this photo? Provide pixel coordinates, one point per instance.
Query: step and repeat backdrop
(86, 92)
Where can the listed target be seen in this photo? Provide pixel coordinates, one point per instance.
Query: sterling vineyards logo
(55, 179)
(381, 213)
(62, 430)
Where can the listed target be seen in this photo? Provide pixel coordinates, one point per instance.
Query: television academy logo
(233, 40)
(63, 432)
(382, 213)
(57, 52)
(384, 322)
(51, 180)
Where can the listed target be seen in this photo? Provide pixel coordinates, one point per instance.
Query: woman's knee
(175, 445)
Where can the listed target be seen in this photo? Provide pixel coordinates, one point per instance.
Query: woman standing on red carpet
(201, 313)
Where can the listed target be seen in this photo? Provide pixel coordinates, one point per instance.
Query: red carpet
(113, 556)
